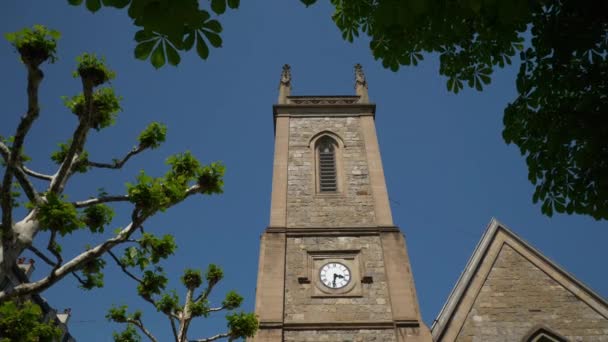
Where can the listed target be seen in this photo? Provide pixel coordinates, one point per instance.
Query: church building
(334, 267)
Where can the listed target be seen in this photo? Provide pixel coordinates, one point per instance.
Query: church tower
(333, 266)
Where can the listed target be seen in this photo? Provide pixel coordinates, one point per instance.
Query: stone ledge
(332, 231)
(340, 325)
(324, 110)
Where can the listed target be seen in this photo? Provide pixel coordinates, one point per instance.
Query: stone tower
(333, 266)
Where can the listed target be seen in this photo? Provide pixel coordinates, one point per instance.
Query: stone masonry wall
(517, 296)
(372, 305)
(363, 335)
(354, 205)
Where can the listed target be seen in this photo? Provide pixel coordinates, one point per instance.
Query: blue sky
(447, 168)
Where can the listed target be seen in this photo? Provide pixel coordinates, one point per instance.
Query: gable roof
(454, 312)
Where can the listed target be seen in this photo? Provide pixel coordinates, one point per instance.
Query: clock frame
(349, 258)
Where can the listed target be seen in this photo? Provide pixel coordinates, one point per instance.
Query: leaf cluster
(25, 323)
(96, 217)
(559, 119)
(36, 44)
(128, 335)
(104, 109)
(93, 69)
(170, 27)
(242, 324)
(57, 214)
(157, 194)
(471, 37)
(93, 274)
(153, 135)
(150, 251)
(80, 165)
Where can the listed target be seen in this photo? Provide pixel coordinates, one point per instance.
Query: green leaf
(233, 3)
(75, 2)
(308, 2)
(143, 50)
(116, 3)
(218, 6)
(189, 41)
(213, 25)
(485, 78)
(93, 5)
(214, 39)
(201, 47)
(172, 55)
(142, 35)
(158, 56)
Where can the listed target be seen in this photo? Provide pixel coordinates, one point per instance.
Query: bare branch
(48, 260)
(217, 309)
(5, 152)
(36, 174)
(117, 164)
(52, 247)
(123, 267)
(41, 255)
(78, 140)
(34, 77)
(28, 187)
(102, 199)
(186, 316)
(70, 266)
(138, 323)
(205, 294)
(25, 183)
(173, 327)
(212, 338)
(79, 260)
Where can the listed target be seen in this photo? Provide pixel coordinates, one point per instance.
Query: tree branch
(205, 294)
(117, 164)
(21, 176)
(70, 266)
(173, 328)
(102, 199)
(123, 267)
(36, 174)
(34, 77)
(79, 260)
(51, 247)
(48, 260)
(5, 152)
(41, 255)
(185, 316)
(78, 139)
(138, 323)
(212, 338)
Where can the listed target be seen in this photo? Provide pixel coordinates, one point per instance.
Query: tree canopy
(49, 215)
(558, 120)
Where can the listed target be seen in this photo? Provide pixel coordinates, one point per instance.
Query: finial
(286, 75)
(285, 84)
(361, 84)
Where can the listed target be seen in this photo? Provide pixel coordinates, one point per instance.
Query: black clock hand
(334, 282)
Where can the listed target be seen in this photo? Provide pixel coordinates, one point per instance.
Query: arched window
(326, 164)
(544, 335)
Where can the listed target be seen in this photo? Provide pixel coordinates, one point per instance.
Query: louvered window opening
(327, 167)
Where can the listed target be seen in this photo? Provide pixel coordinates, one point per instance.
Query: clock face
(334, 275)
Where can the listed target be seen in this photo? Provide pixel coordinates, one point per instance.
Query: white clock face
(334, 275)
